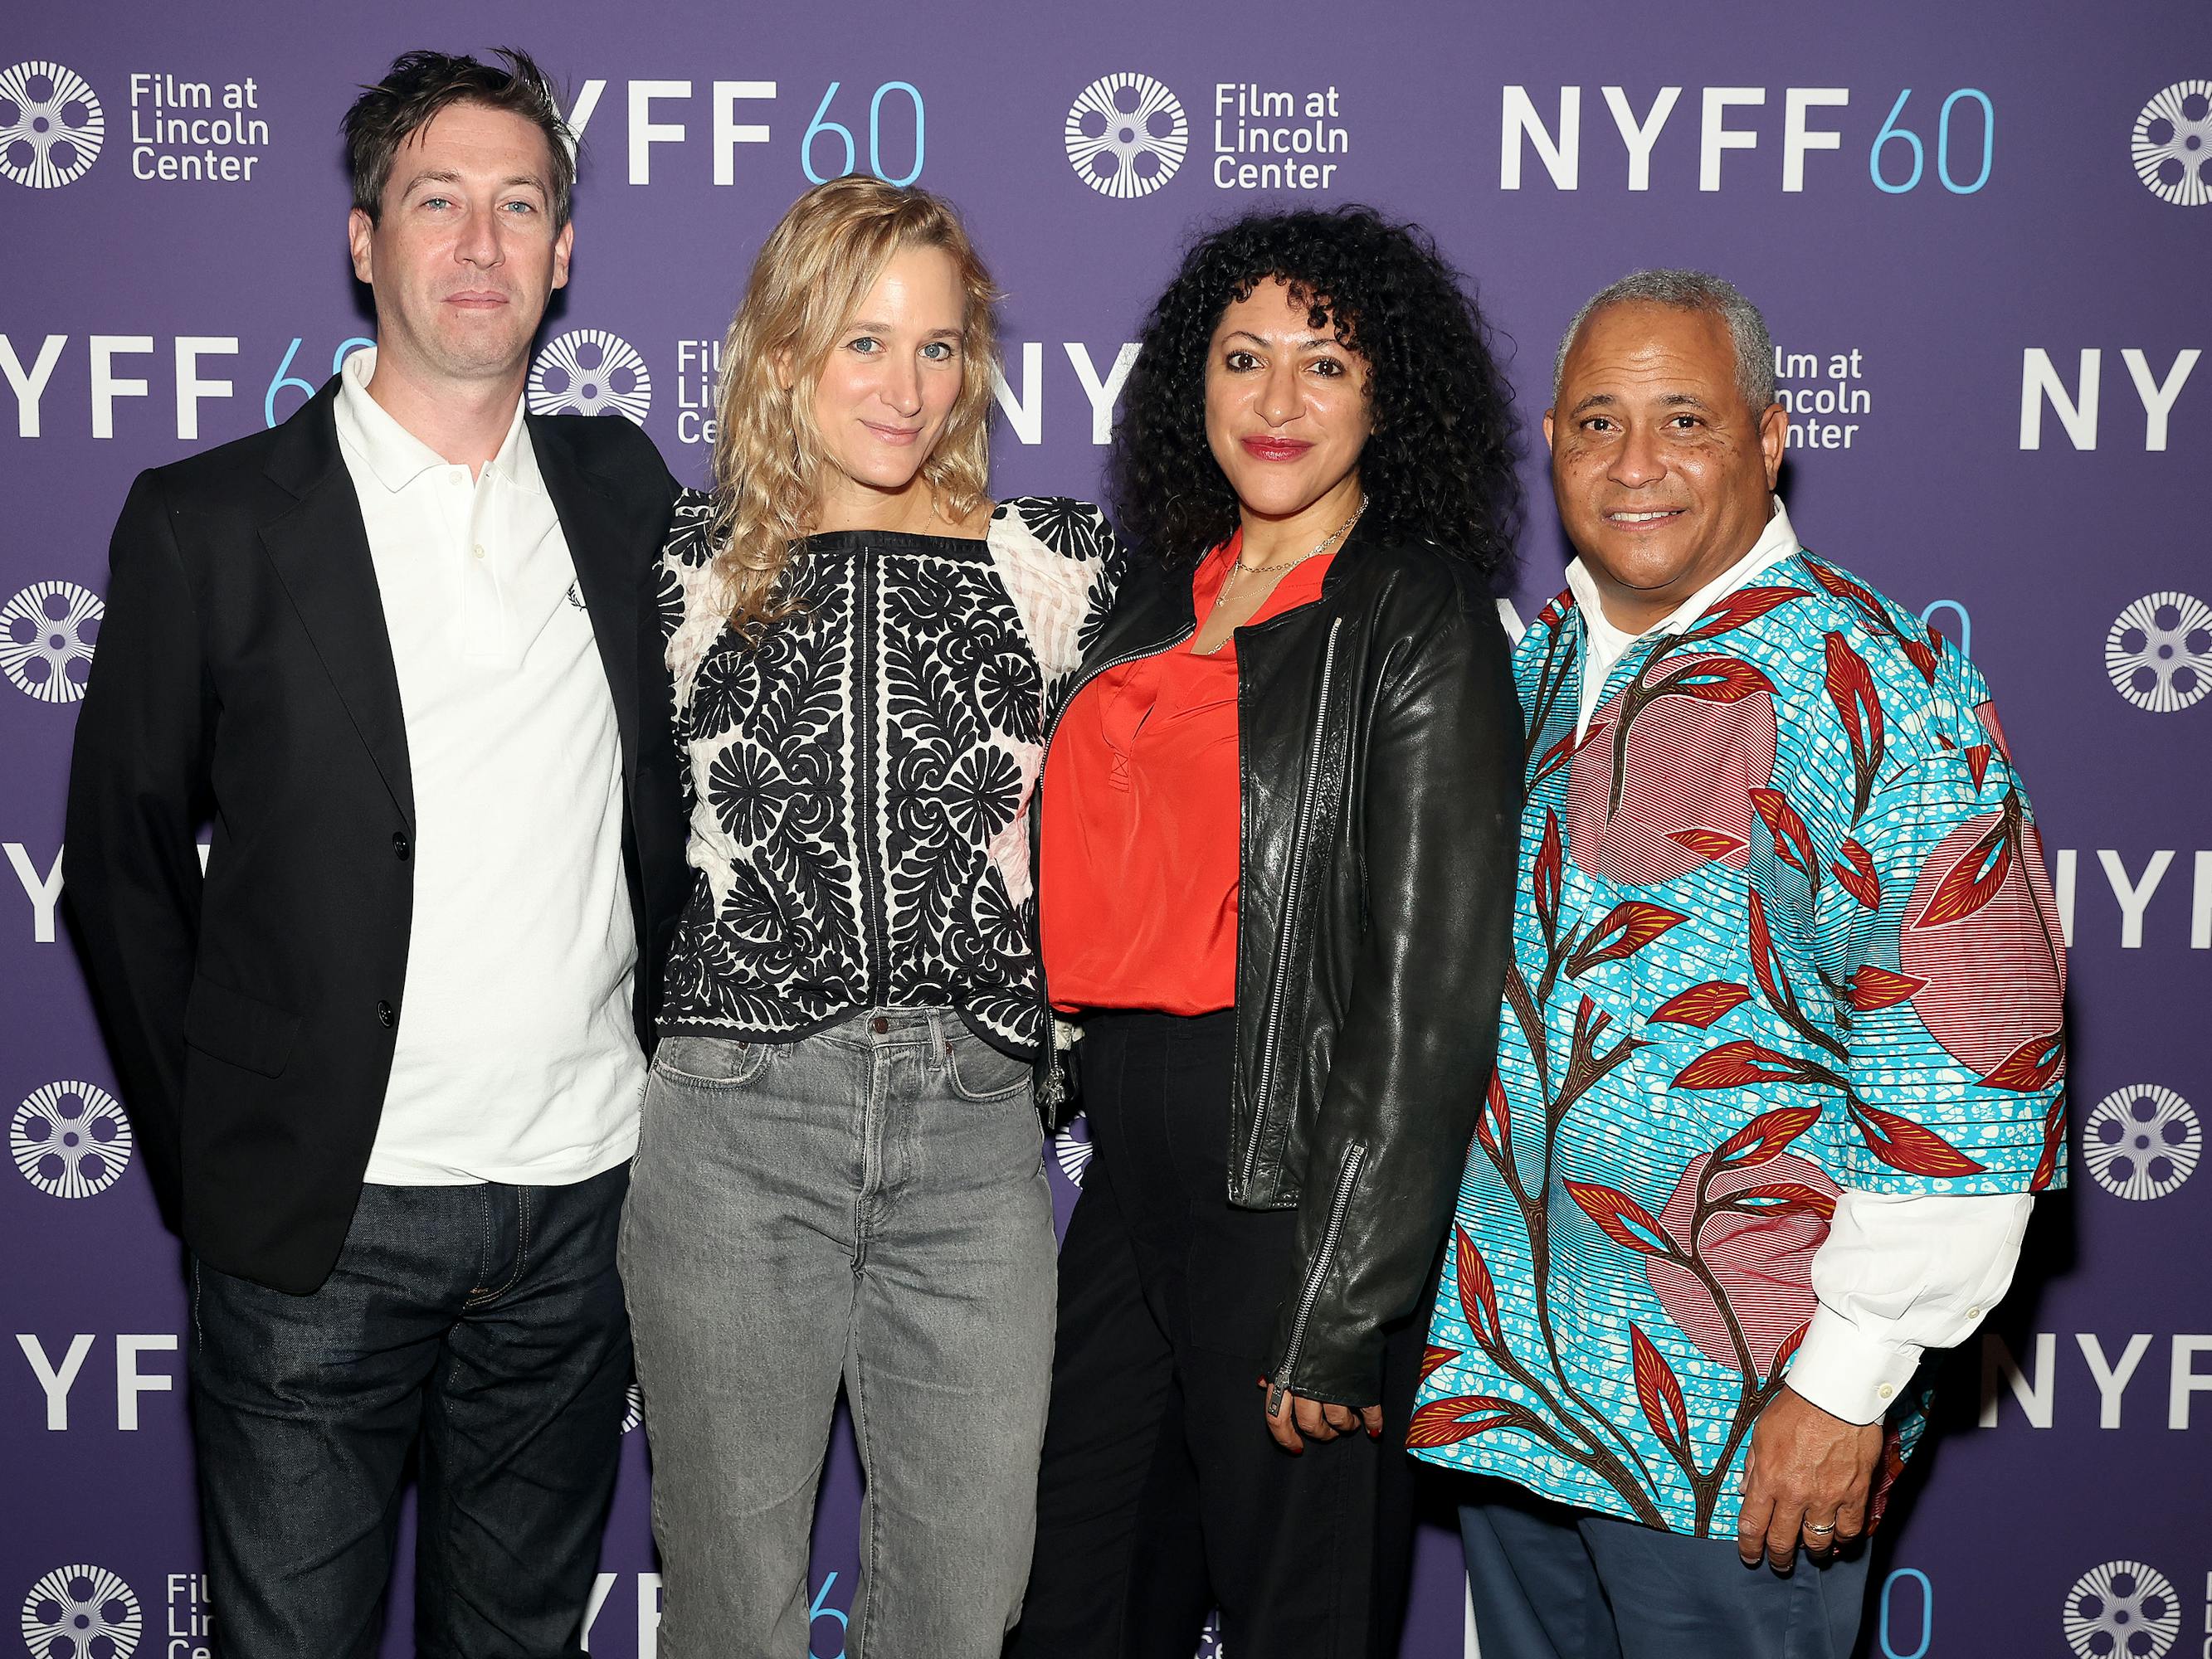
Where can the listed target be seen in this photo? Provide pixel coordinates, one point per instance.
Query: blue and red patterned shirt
(1784, 929)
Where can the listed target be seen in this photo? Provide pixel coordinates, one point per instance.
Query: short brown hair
(419, 84)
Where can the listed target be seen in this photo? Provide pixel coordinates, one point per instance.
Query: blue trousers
(1553, 1582)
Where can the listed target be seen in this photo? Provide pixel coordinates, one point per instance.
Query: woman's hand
(1293, 1416)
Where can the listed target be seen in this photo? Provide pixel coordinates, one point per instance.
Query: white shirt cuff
(1848, 1374)
(1898, 1274)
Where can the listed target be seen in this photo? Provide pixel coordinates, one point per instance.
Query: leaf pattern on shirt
(1783, 933)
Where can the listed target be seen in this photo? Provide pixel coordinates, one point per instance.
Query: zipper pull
(1053, 1092)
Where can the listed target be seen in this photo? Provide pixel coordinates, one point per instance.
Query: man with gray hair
(1783, 1058)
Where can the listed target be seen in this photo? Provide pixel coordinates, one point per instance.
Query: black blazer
(245, 675)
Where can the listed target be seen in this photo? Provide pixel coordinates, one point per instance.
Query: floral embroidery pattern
(859, 778)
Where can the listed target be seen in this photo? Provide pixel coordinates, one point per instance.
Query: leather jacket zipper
(1354, 1156)
(1271, 1032)
(1084, 678)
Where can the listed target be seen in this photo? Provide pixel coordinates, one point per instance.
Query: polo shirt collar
(396, 458)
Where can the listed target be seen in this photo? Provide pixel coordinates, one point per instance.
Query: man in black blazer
(385, 1060)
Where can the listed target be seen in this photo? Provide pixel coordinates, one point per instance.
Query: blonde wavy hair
(815, 268)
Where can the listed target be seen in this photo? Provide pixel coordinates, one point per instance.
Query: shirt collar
(396, 456)
(516, 463)
(1777, 542)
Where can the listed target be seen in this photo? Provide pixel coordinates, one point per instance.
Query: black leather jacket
(1380, 749)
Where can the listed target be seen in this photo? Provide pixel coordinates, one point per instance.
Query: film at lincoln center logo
(2121, 1610)
(1126, 135)
(2158, 652)
(82, 1612)
(51, 125)
(1071, 1150)
(70, 1141)
(590, 372)
(47, 634)
(2141, 1142)
(2172, 144)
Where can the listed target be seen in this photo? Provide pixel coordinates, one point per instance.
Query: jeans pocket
(982, 1072)
(711, 1062)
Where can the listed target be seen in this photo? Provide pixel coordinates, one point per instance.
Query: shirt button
(1885, 1391)
(386, 1016)
(479, 549)
(879, 1026)
(400, 849)
(1973, 1313)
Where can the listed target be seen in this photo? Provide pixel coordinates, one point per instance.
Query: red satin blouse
(1142, 822)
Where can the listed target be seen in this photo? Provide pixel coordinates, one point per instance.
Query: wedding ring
(1809, 1526)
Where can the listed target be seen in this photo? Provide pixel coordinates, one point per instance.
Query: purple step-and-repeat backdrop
(1982, 233)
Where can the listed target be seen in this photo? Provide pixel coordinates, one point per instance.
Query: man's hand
(1294, 1415)
(1806, 1478)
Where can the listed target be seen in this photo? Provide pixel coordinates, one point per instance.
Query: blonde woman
(840, 1178)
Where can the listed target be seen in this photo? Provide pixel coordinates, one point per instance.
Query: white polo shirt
(516, 1060)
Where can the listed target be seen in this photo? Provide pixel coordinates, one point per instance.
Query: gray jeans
(867, 1205)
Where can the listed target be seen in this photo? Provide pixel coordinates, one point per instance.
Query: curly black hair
(1439, 465)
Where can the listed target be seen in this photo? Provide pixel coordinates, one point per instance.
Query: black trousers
(1162, 1495)
(482, 1327)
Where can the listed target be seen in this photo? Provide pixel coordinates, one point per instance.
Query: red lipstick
(1275, 449)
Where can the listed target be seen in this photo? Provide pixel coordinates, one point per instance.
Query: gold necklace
(1315, 552)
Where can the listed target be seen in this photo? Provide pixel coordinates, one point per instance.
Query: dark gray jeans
(866, 1205)
(480, 1325)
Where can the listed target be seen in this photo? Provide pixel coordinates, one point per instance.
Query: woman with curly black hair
(1278, 826)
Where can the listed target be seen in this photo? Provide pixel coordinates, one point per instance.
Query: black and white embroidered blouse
(859, 781)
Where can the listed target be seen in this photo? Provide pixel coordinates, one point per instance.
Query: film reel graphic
(1126, 135)
(1071, 1150)
(48, 632)
(590, 372)
(70, 1141)
(2121, 1610)
(2141, 1142)
(81, 1612)
(51, 125)
(2172, 145)
(2158, 652)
